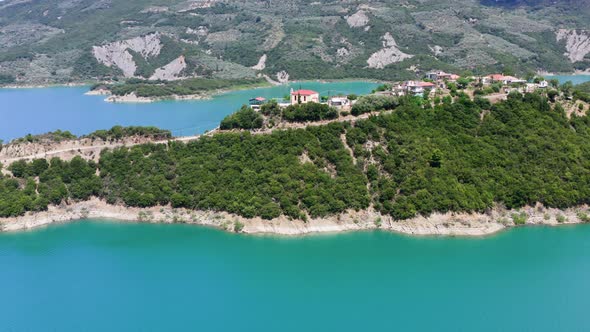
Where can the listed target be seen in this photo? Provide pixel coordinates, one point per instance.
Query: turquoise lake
(36, 111)
(111, 276)
(106, 276)
(576, 79)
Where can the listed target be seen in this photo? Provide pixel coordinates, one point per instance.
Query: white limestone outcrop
(171, 71)
(261, 63)
(577, 43)
(390, 53)
(117, 53)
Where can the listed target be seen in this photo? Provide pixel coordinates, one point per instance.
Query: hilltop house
(415, 88)
(304, 96)
(442, 76)
(532, 87)
(339, 101)
(500, 78)
(255, 103)
(419, 88)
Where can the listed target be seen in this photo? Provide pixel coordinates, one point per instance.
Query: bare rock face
(196, 4)
(200, 31)
(117, 53)
(261, 63)
(358, 19)
(171, 71)
(437, 50)
(283, 77)
(342, 52)
(389, 54)
(577, 43)
(155, 10)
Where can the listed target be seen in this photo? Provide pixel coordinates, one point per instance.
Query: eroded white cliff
(577, 43)
(390, 53)
(117, 53)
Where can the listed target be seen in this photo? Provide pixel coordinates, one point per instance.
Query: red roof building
(304, 93)
(304, 96)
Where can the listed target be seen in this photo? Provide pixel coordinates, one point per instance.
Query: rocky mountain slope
(57, 41)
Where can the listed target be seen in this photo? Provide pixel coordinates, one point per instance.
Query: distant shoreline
(437, 224)
(132, 98)
(82, 84)
(44, 86)
(318, 80)
(579, 73)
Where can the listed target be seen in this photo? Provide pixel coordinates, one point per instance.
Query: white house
(339, 101)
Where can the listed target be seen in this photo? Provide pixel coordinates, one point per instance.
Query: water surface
(576, 79)
(36, 111)
(106, 276)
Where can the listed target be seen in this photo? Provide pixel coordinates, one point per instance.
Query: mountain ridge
(55, 41)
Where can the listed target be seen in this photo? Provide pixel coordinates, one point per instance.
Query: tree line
(270, 113)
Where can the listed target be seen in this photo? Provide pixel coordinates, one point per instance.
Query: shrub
(245, 118)
(238, 226)
(309, 112)
(373, 103)
(519, 218)
(583, 216)
(378, 222)
(6, 79)
(561, 218)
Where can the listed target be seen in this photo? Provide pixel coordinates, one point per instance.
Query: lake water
(36, 111)
(106, 276)
(576, 79)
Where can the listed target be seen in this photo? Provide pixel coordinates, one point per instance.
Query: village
(436, 84)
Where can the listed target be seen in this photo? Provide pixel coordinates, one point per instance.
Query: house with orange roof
(501, 78)
(416, 88)
(304, 96)
(441, 76)
(255, 103)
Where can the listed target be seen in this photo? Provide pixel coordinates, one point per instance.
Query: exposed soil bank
(458, 224)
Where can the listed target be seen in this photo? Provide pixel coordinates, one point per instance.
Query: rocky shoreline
(42, 86)
(132, 98)
(448, 224)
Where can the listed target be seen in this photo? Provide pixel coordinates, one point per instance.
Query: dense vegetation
(582, 92)
(144, 88)
(247, 118)
(245, 174)
(446, 159)
(6, 79)
(54, 136)
(372, 103)
(415, 160)
(244, 118)
(115, 133)
(309, 112)
(118, 132)
(58, 181)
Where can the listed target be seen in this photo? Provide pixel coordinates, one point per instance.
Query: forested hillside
(415, 160)
(73, 40)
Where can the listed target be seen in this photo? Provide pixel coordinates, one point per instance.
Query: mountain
(57, 41)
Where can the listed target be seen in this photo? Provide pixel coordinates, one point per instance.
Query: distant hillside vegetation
(58, 41)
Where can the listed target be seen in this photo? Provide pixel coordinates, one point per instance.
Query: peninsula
(456, 165)
(145, 91)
